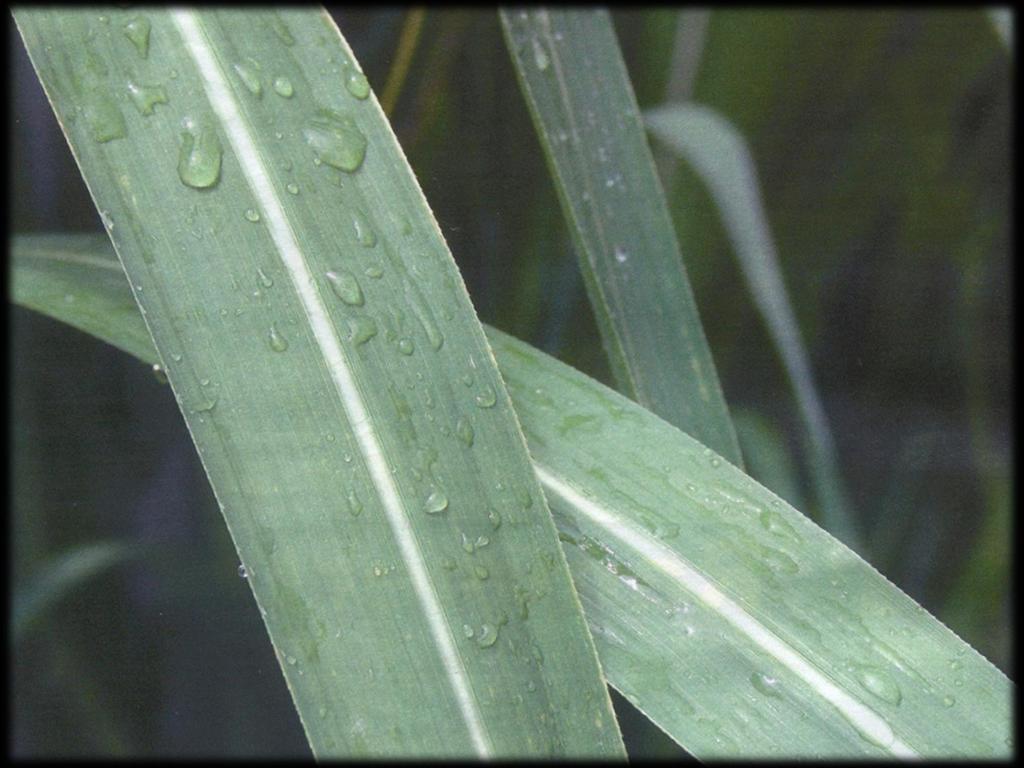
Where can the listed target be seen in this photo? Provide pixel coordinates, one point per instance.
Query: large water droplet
(879, 682)
(278, 343)
(283, 86)
(346, 287)
(361, 329)
(356, 83)
(199, 156)
(336, 140)
(146, 97)
(436, 503)
(250, 77)
(137, 30)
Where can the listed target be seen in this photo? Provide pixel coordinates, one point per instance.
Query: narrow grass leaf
(64, 573)
(724, 614)
(578, 91)
(710, 144)
(339, 389)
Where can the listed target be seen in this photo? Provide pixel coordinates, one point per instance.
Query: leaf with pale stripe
(332, 373)
(723, 613)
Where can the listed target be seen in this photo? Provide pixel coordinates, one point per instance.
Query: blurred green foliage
(882, 140)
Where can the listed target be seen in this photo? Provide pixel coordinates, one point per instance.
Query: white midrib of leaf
(869, 723)
(223, 100)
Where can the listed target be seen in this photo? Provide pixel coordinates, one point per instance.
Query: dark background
(882, 141)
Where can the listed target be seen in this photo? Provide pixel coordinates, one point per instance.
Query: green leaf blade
(690, 536)
(746, 619)
(332, 452)
(581, 101)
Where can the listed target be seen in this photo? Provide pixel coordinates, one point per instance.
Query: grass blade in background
(723, 613)
(719, 154)
(582, 103)
(333, 375)
(768, 457)
(64, 573)
(1002, 22)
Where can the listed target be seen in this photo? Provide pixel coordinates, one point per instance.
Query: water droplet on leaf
(137, 31)
(346, 287)
(336, 140)
(199, 156)
(283, 86)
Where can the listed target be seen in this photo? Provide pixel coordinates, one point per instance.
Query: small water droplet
(464, 430)
(292, 661)
(146, 97)
(364, 232)
(278, 343)
(251, 214)
(361, 329)
(488, 636)
(621, 254)
(356, 83)
(765, 684)
(283, 86)
(336, 140)
(406, 346)
(540, 55)
(774, 523)
(292, 188)
(487, 397)
(448, 564)
(467, 631)
(495, 517)
(199, 155)
(243, 572)
(355, 505)
(265, 280)
(250, 78)
(346, 287)
(105, 120)
(137, 31)
(158, 372)
(281, 30)
(480, 572)
(374, 271)
(948, 701)
(878, 682)
(436, 503)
